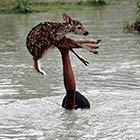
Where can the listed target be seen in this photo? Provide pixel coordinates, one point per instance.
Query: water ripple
(30, 104)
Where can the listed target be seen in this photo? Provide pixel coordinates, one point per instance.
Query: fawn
(53, 34)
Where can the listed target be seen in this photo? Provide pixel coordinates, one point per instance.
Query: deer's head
(75, 26)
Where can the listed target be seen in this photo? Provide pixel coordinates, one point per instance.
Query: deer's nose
(85, 33)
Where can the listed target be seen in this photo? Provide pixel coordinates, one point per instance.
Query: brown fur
(53, 34)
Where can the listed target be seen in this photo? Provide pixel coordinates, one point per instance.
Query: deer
(47, 35)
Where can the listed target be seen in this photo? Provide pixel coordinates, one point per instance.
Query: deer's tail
(37, 66)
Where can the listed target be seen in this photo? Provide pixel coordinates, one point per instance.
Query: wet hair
(80, 101)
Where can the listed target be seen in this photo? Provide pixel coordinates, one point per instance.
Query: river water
(30, 104)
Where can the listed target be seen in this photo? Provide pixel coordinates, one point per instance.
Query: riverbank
(7, 6)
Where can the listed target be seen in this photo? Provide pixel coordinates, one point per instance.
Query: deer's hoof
(98, 41)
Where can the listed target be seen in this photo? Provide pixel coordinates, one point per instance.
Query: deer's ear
(67, 18)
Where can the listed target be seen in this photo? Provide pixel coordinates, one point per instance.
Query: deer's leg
(82, 44)
(87, 44)
(73, 44)
(80, 57)
(90, 41)
(91, 48)
(37, 66)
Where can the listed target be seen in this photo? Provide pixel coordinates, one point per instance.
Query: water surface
(30, 104)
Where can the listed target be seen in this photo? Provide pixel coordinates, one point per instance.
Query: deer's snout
(86, 33)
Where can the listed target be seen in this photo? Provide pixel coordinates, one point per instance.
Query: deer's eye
(79, 28)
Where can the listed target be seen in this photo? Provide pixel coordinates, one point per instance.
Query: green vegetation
(138, 10)
(135, 26)
(97, 2)
(15, 6)
(23, 6)
(27, 6)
